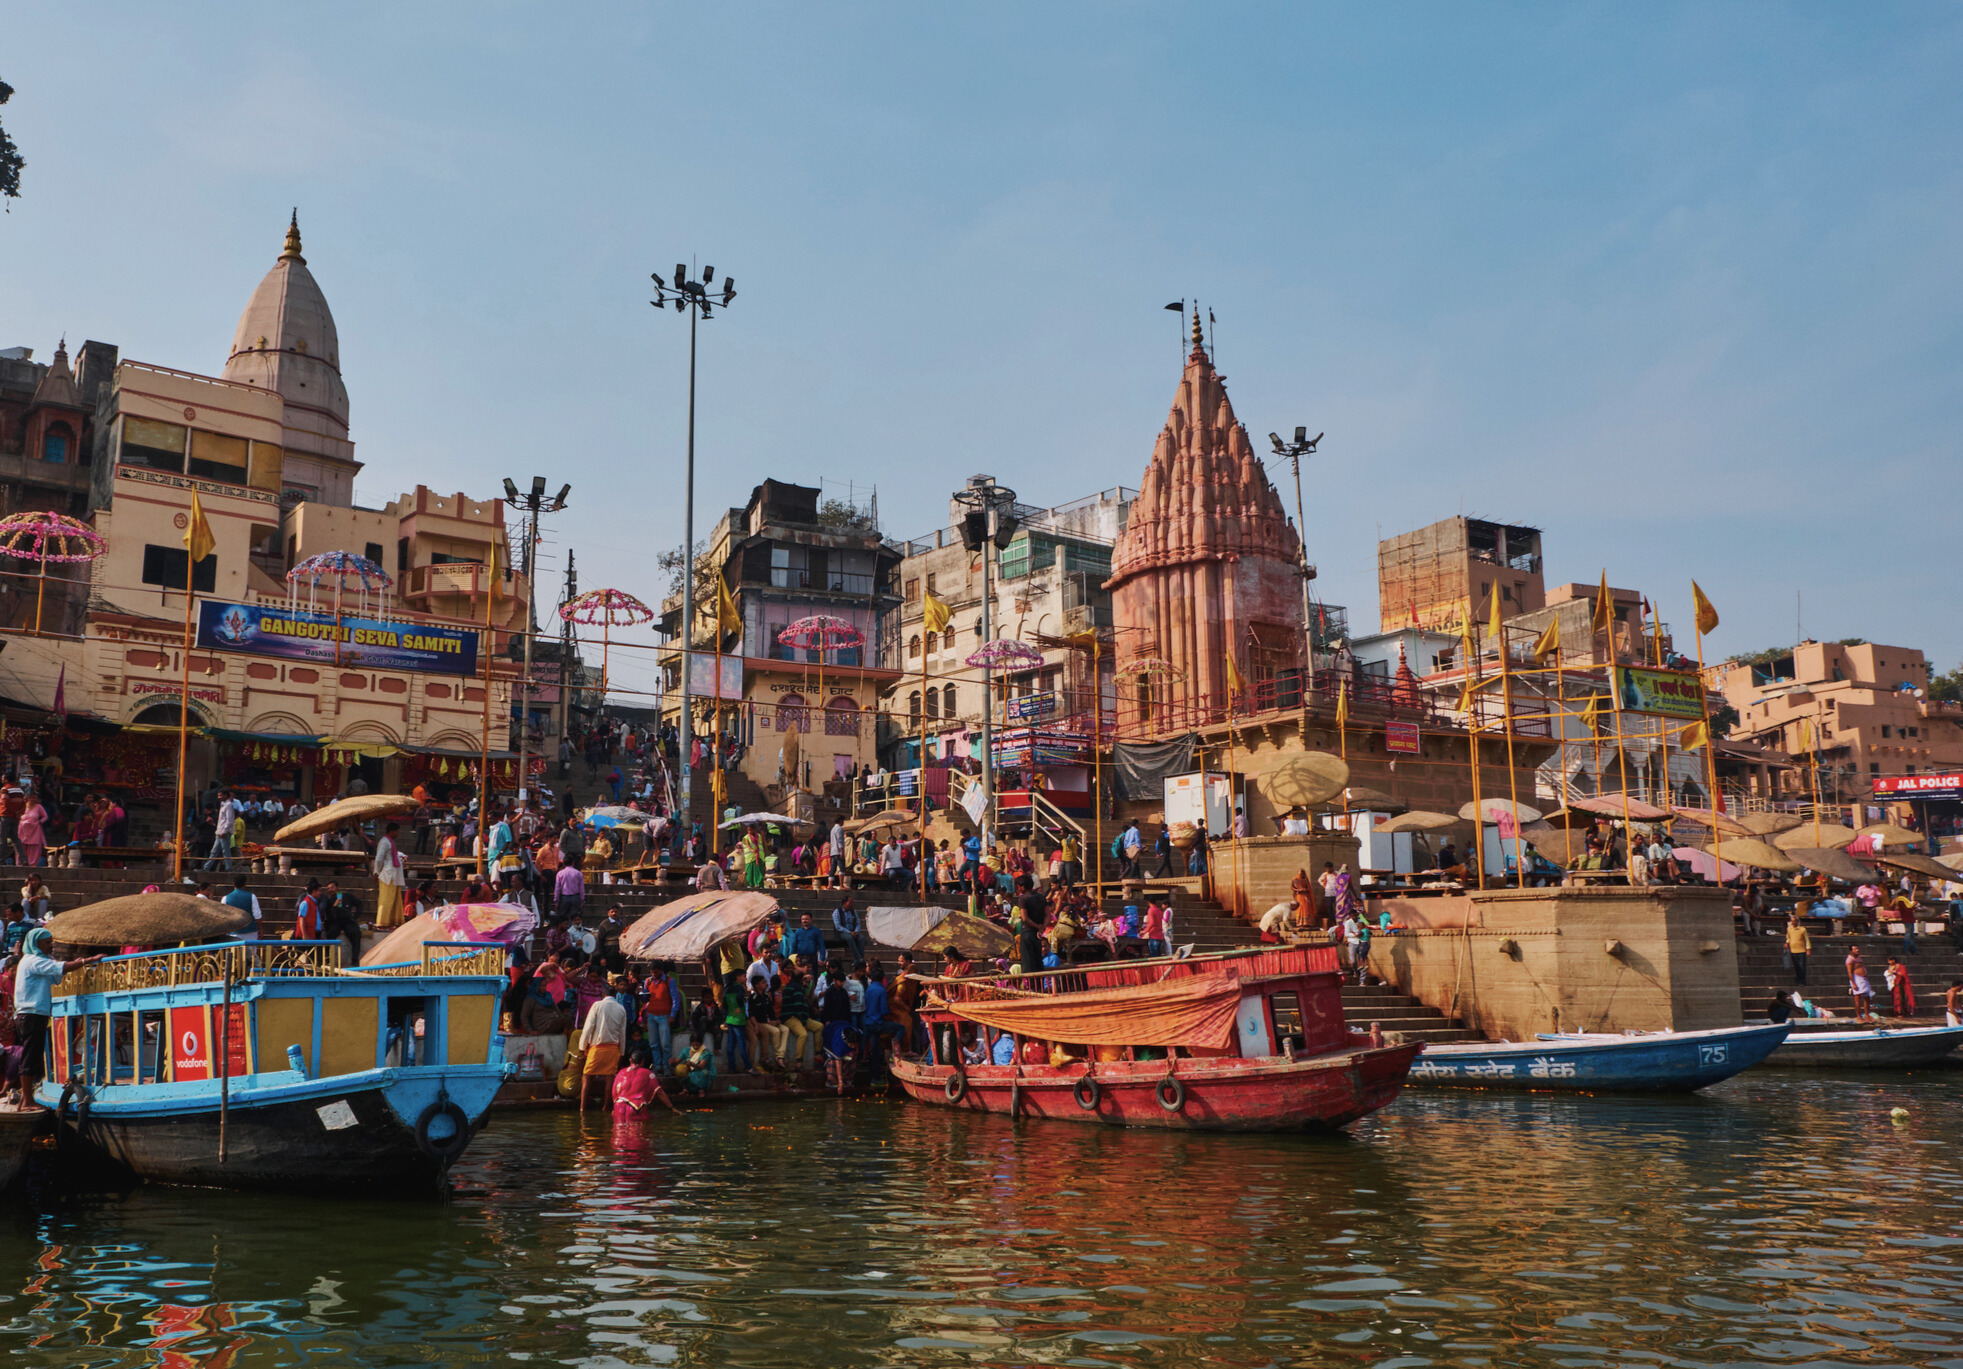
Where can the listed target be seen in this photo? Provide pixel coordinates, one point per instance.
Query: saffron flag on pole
(1707, 616)
(197, 537)
(1549, 641)
(1234, 681)
(1343, 703)
(1604, 606)
(1696, 735)
(934, 614)
(1494, 629)
(1591, 714)
(727, 618)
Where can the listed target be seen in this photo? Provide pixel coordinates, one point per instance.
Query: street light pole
(990, 518)
(1302, 446)
(692, 297)
(533, 502)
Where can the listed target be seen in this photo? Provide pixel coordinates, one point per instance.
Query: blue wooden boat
(1657, 1062)
(266, 1064)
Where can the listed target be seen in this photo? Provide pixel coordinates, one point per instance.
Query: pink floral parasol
(49, 537)
(607, 608)
(1004, 654)
(821, 632)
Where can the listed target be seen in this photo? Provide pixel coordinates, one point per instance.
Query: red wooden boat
(1249, 1040)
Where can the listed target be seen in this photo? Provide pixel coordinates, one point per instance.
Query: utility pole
(534, 502)
(990, 518)
(1302, 446)
(690, 297)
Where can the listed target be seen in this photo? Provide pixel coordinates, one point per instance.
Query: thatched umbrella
(1305, 780)
(1419, 820)
(1753, 852)
(1770, 824)
(1722, 822)
(1888, 834)
(160, 919)
(1835, 835)
(1928, 866)
(1952, 862)
(1494, 809)
(1830, 861)
(358, 809)
(1361, 798)
(1558, 844)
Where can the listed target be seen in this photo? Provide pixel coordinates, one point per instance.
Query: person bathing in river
(636, 1087)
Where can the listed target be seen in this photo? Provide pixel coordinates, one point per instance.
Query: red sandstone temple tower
(1208, 566)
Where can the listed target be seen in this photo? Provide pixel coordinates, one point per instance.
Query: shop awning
(274, 738)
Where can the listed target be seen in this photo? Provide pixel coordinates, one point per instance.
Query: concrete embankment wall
(1253, 874)
(1541, 960)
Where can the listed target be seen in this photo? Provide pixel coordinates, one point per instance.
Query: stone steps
(1762, 972)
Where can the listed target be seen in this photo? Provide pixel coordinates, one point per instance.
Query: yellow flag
(1471, 687)
(1591, 715)
(1549, 641)
(727, 618)
(1343, 703)
(1707, 616)
(1239, 685)
(934, 614)
(1805, 735)
(197, 538)
(1494, 629)
(1604, 606)
(1694, 736)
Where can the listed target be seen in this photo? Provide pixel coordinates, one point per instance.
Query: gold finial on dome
(1198, 342)
(292, 252)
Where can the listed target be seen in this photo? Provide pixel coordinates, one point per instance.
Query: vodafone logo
(188, 1043)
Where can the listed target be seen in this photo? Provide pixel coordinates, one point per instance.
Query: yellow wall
(349, 1035)
(279, 1023)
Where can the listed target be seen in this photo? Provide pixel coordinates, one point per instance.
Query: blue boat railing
(210, 964)
(473, 957)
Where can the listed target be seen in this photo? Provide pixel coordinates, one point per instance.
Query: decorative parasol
(1005, 654)
(160, 919)
(819, 632)
(45, 538)
(340, 569)
(357, 809)
(1152, 665)
(607, 609)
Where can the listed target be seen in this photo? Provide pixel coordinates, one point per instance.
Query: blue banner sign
(262, 630)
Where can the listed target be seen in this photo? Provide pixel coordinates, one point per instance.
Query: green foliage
(1947, 688)
(1723, 719)
(836, 513)
(11, 161)
(1765, 657)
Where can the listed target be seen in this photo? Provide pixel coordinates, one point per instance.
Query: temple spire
(1199, 344)
(292, 252)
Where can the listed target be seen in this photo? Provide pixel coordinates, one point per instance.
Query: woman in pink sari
(637, 1086)
(33, 832)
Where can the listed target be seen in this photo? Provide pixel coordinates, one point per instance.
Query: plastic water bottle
(296, 1060)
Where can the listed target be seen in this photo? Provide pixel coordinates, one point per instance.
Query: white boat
(1884, 1048)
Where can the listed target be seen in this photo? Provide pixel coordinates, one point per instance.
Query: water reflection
(1775, 1221)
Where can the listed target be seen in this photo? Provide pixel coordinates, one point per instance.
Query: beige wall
(1540, 960)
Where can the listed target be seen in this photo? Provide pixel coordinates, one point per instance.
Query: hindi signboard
(263, 630)
(702, 679)
(1665, 693)
(1403, 737)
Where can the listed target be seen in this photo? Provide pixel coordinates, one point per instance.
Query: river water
(1777, 1219)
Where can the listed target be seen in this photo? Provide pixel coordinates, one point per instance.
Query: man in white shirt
(221, 842)
(1295, 824)
(601, 1039)
(390, 882)
(34, 982)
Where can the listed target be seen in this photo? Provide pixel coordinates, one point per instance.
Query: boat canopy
(1195, 1011)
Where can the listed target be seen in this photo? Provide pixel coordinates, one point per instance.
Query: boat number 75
(1713, 1055)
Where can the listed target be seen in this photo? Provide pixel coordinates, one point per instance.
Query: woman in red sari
(637, 1086)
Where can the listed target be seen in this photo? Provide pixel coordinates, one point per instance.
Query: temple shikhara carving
(1208, 567)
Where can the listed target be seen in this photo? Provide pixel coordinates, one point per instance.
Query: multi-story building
(393, 685)
(1439, 576)
(1047, 585)
(786, 558)
(1860, 710)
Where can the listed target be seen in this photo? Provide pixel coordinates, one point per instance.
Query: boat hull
(17, 1133)
(1220, 1094)
(1866, 1049)
(1663, 1062)
(349, 1132)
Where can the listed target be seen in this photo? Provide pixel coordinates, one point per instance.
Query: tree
(1947, 688)
(836, 513)
(11, 161)
(1723, 719)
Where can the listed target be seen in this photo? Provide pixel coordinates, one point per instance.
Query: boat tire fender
(956, 1087)
(1087, 1093)
(432, 1141)
(1171, 1093)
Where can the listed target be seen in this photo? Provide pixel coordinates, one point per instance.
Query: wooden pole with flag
(489, 649)
(1706, 618)
(1604, 622)
(934, 616)
(198, 544)
(1498, 626)
(1343, 718)
(1545, 645)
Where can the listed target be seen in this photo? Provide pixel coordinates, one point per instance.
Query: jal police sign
(1919, 787)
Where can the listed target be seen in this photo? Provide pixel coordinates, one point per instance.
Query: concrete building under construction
(1436, 577)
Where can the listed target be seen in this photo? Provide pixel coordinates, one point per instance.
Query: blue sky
(1680, 285)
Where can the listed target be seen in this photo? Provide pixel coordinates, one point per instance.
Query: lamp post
(533, 502)
(692, 298)
(1302, 446)
(989, 517)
